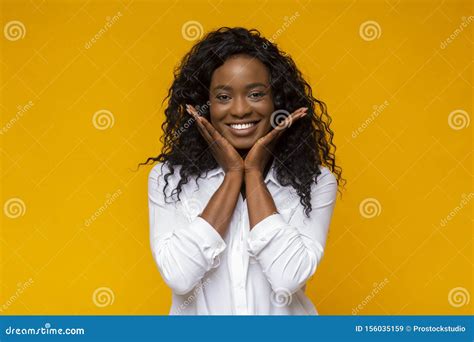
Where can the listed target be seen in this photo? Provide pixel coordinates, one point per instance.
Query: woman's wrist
(234, 176)
(253, 175)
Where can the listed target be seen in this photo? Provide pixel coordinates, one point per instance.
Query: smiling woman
(242, 198)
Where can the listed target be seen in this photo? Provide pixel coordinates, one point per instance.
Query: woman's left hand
(259, 155)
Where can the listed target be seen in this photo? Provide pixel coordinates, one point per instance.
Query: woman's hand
(224, 153)
(259, 155)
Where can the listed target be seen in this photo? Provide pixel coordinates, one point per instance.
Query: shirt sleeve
(183, 248)
(289, 252)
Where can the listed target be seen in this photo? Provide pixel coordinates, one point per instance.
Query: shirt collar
(269, 178)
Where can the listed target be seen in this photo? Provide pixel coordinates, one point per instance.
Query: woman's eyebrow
(248, 86)
(255, 84)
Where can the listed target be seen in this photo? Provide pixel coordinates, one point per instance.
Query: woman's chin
(243, 144)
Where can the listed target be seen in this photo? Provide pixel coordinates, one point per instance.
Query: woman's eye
(257, 95)
(222, 97)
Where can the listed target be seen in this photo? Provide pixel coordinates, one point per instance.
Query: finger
(284, 125)
(301, 109)
(297, 114)
(289, 119)
(204, 132)
(207, 130)
(200, 119)
(191, 110)
(300, 112)
(201, 128)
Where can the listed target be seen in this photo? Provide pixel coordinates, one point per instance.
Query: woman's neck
(243, 153)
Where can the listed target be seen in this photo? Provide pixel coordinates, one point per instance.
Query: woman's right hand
(224, 153)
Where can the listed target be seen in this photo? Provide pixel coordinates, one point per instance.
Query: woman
(242, 197)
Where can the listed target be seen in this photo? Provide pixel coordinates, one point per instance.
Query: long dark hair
(304, 146)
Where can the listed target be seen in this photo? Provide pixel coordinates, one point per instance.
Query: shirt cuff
(263, 232)
(211, 242)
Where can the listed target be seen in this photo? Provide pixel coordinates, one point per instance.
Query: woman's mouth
(243, 129)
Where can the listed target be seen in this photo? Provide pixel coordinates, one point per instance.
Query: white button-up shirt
(262, 271)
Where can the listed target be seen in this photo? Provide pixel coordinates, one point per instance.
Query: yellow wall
(407, 168)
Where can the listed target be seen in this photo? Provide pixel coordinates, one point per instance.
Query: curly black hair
(304, 146)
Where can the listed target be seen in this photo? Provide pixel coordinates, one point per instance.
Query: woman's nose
(240, 107)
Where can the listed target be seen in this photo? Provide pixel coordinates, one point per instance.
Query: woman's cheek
(267, 125)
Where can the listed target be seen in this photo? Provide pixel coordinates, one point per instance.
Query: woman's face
(241, 101)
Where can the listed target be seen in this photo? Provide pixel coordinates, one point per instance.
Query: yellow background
(409, 158)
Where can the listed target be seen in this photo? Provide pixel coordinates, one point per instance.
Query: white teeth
(242, 126)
